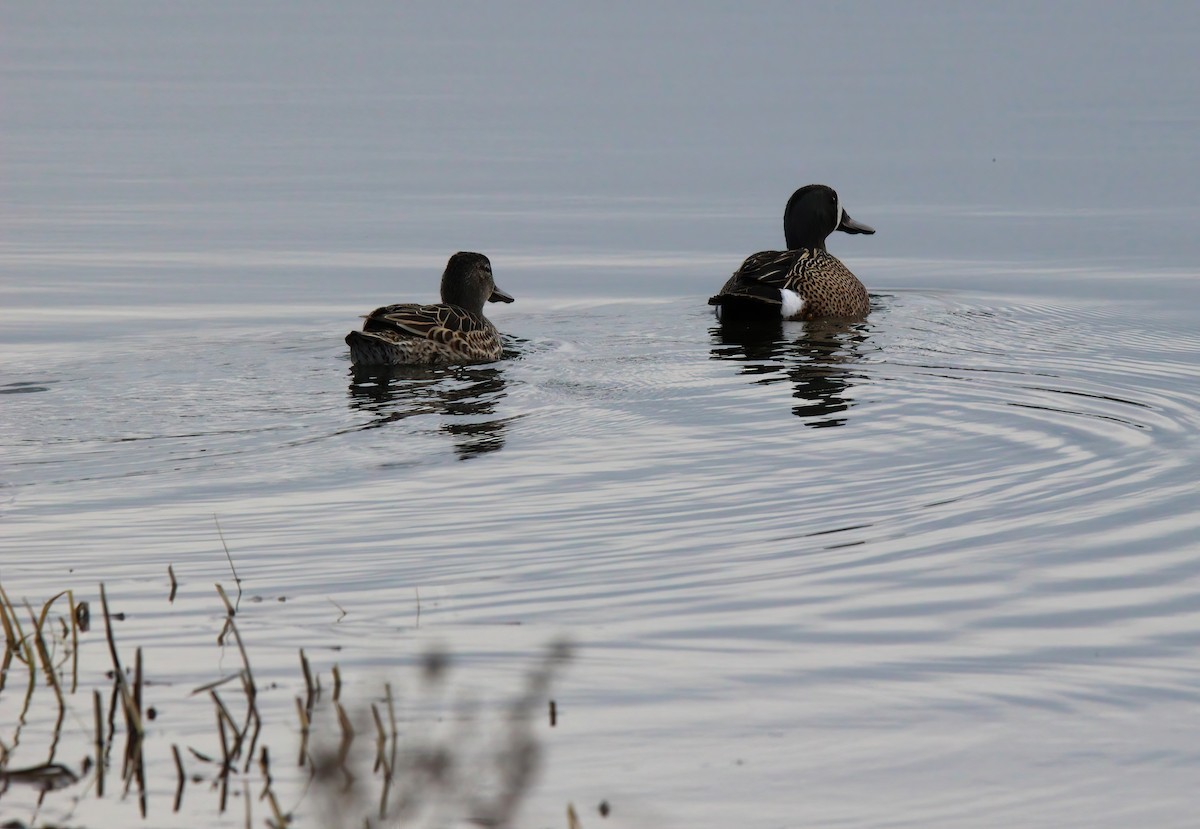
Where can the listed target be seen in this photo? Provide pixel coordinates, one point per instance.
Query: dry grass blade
(8, 618)
(174, 584)
(43, 652)
(16, 645)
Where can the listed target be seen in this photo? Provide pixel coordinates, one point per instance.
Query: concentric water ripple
(963, 510)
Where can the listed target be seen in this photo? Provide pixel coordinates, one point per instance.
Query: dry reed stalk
(96, 708)
(309, 686)
(305, 722)
(74, 641)
(133, 715)
(380, 739)
(216, 683)
(223, 714)
(224, 775)
(180, 776)
(278, 819)
(248, 674)
(137, 682)
(174, 584)
(345, 743)
(230, 612)
(253, 741)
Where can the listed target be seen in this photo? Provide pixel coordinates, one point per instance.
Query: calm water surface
(939, 568)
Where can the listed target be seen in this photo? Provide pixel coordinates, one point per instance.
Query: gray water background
(937, 569)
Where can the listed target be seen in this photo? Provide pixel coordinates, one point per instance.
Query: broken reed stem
(380, 738)
(381, 761)
(217, 683)
(347, 740)
(248, 677)
(264, 766)
(225, 717)
(133, 714)
(224, 775)
(337, 683)
(135, 762)
(112, 644)
(174, 584)
(257, 721)
(278, 819)
(135, 759)
(229, 609)
(308, 685)
(180, 776)
(304, 725)
(97, 705)
(74, 642)
(137, 682)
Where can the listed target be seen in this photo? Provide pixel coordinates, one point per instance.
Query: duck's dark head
(812, 213)
(468, 283)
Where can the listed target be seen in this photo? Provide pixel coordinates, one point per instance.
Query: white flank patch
(792, 302)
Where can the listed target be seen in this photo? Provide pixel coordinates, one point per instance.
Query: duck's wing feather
(459, 333)
(439, 322)
(777, 268)
(761, 276)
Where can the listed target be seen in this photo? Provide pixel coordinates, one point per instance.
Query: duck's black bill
(848, 225)
(503, 296)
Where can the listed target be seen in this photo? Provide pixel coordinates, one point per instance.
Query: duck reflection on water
(816, 357)
(465, 397)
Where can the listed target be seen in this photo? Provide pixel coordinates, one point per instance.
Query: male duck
(453, 331)
(805, 281)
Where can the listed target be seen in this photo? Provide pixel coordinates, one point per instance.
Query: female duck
(805, 281)
(453, 331)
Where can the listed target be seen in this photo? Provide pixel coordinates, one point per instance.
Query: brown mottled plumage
(452, 331)
(805, 281)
